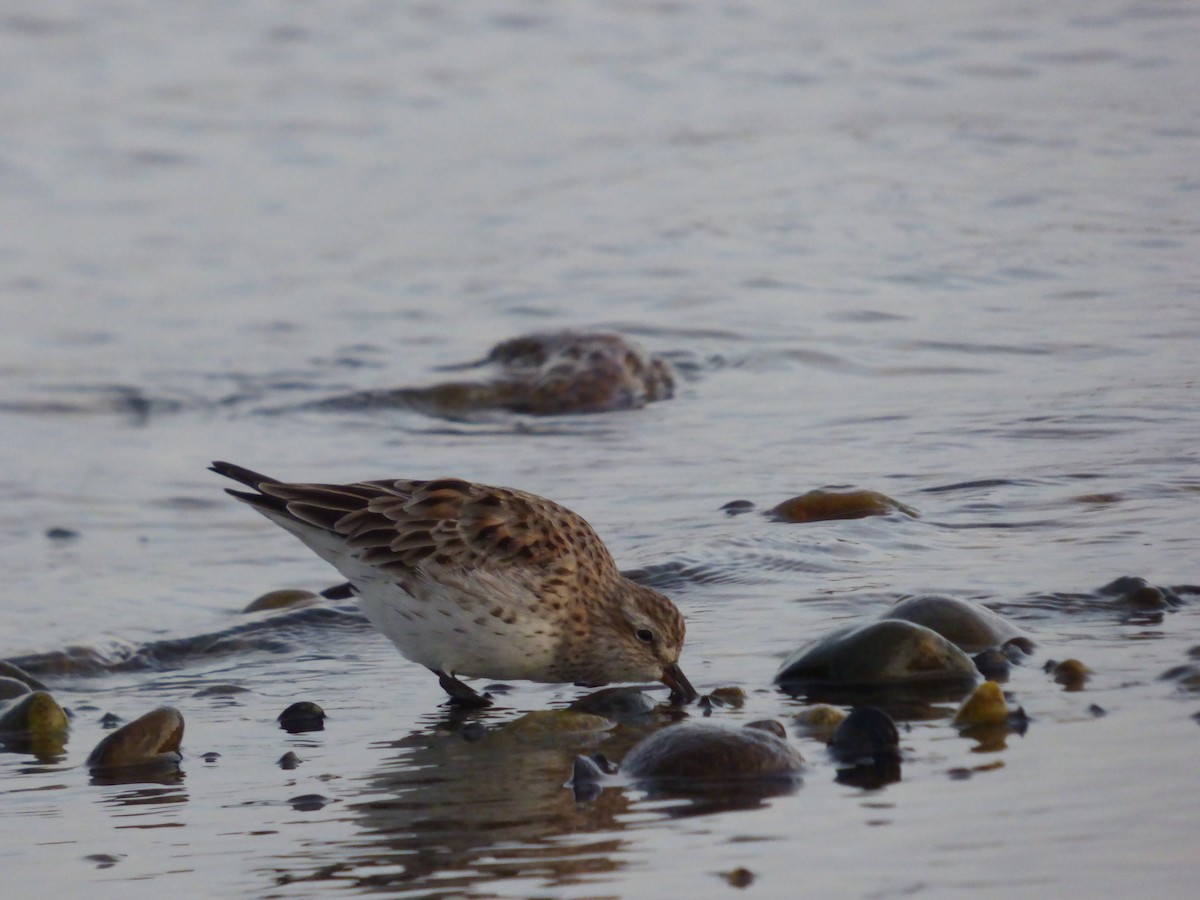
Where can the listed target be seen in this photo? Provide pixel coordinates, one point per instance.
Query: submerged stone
(993, 664)
(1070, 673)
(698, 751)
(867, 748)
(289, 760)
(288, 598)
(741, 877)
(1139, 595)
(32, 713)
(545, 723)
(152, 739)
(733, 697)
(616, 703)
(820, 720)
(737, 507)
(824, 505)
(9, 670)
(886, 652)
(12, 687)
(867, 734)
(970, 626)
(986, 706)
(301, 716)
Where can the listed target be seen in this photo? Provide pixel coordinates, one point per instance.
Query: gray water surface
(943, 251)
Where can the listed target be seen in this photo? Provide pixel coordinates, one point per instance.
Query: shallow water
(941, 253)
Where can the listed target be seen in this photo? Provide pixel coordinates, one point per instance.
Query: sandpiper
(479, 581)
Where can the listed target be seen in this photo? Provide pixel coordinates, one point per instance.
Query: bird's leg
(462, 695)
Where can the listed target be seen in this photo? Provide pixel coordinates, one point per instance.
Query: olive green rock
(548, 723)
(33, 713)
(970, 626)
(152, 739)
(886, 652)
(986, 706)
(826, 505)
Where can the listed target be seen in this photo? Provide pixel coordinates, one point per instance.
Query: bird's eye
(645, 635)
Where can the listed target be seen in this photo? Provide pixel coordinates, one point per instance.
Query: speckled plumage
(567, 371)
(481, 581)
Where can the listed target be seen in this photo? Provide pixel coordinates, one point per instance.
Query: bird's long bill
(681, 689)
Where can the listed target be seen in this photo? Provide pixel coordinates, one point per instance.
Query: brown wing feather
(401, 524)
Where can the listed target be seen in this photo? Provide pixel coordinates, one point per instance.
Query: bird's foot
(462, 695)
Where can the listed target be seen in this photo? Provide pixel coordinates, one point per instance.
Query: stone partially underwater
(34, 723)
(548, 374)
(892, 654)
(719, 766)
(917, 643)
(152, 740)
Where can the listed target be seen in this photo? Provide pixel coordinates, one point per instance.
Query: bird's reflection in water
(457, 806)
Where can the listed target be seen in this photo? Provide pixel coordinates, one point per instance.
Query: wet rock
(1139, 595)
(619, 704)
(61, 534)
(986, 706)
(550, 723)
(820, 720)
(1187, 676)
(737, 507)
(12, 687)
(589, 774)
(695, 751)
(110, 720)
(725, 767)
(867, 747)
(104, 860)
(36, 712)
(151, 740)
(289, 760)
(993, 664)
(283, 599)
(302, 716)
(987, 718)
(731, 697)
(9, 670)
(866, 735)
(880, 653)
(970, 626)
(309, 802)
(1133, 598)
(1070, 673)
(741, 877)
(826, 505)
(770, 726)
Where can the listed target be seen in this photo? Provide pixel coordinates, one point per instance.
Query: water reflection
(153, 799)
(165, 774)
(47, 748)
(465, 807)
(472, 810)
